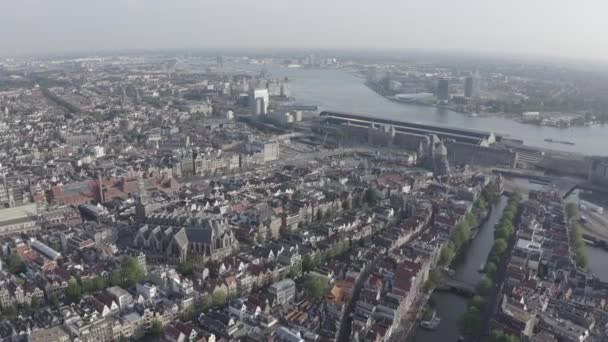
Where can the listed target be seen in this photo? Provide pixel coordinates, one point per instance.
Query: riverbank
(339, 90)
(546, 121)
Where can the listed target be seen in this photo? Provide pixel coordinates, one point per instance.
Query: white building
(123, 297)
(271, 151)
(146, 290)
(99, 151)
(530, 116)
(283, 291)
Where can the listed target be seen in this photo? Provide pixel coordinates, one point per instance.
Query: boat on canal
(432, 323)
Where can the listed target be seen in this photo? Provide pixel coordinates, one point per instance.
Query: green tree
(205, 303)
(433, 280)
(293, 272)
(578, 245)
(500, 336)
(371, 197)
(572, 210)
(493, 259)
(73, 292)
(156, 328)
(506, 225)
(490, 194)
(328, 214)
(484, 286)
(357, 201)
(93, 285)
(512, 338)
(132, 272)
(15, 264)
(307, 263)
(480, 206)
(53, 301)
(318, 259)
(316, 287)
(471, 322)
(201, 304)
(98, 283)
(26, 307)
(447, 254)
(501, 234)
(345, 205)
(185, 268)
(259, 238)
(35, 304)
(319, 215)
(478, 302)
(115, 278)
(497, 336)
(10, 312)
(219, 298)
(500, 247)
(491, 269)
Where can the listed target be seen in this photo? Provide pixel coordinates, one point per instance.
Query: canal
(597, 257)
(451, 307)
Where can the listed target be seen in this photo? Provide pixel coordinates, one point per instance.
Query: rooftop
(20, 212)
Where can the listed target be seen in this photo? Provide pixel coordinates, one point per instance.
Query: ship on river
(563, 142)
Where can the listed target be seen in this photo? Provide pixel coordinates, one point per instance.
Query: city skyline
(540, 29)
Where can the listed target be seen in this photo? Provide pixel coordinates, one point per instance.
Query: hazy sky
(570, 28)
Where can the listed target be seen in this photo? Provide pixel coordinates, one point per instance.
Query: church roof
(198, 234)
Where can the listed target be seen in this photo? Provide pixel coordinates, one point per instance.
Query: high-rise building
(470, 86)
(443, 90)
(260, 101)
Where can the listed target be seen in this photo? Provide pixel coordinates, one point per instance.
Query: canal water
(451, 307)
(597, 257)
(340, 90)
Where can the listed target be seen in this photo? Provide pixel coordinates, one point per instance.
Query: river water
(339, 90)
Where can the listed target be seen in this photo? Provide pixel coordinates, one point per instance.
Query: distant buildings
(443, 90)
(260, 101)
(470, 87)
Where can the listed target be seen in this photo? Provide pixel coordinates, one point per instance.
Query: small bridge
(457, 287)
